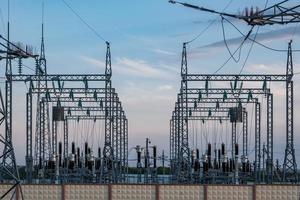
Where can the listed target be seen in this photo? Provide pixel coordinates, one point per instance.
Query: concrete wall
(85, 192)
(282, 192)
(179, 192)
(4, 189)
(229, 192)
(133, 192)
(157, 192)
(37, 192)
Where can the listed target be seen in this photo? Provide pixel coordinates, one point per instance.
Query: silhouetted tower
(184, 171)
(8, 162)
(289, 164)
(108, 167)
(42, 131)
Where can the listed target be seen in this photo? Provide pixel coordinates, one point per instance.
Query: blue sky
(146, 40)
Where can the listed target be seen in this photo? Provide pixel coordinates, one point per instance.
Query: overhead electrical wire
(226, 44)
(252, 44)
(209, 25)
(248, 54)
(84, 21)
(259, 43)
(26, 66)
(240, 46)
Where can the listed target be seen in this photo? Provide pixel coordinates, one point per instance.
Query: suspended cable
(225, 42)
(26, 66)
(259, 43)
(83, 21)
(240, 46)
(248, 54)
(209, 25)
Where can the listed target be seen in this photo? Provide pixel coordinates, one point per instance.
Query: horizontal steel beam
(82, 117)
(76, 99)
(234, 77)
(220, 100)
(68, 90)
(227, 90)
(202, 118)
(61, 77)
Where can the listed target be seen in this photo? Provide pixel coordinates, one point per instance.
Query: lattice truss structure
(76, 128)
(206, 104)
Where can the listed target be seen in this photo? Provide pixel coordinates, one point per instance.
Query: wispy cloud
(165, 88)
(268, 36)
(266, 68)
(135, 67)
(164, 52)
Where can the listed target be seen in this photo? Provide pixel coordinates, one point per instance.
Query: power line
(252, 44)
(25, 66)
(83, 21)
(209, 25)
(225, 42)
(248, 54)
(255, 41)
(240, 46)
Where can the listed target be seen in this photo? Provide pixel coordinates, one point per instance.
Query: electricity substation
(77, 130)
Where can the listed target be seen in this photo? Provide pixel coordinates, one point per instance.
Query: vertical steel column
(9, 160)
(289, 165)
(115, 139)
(38, 138)
(185, 170)
(126, 143)
(269, 162)
(178, 138)
(122, 146)
(245, 134)
(54, 138)
(66, 139)
(257, 142)
(29, 159)
(233, 139)
(107, 171)
(172, 141)
(41, 151)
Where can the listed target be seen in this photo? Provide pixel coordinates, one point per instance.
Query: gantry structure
(230, 99)
(49, 105)
(277, 14)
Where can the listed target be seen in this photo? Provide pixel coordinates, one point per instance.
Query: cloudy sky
(146, 41)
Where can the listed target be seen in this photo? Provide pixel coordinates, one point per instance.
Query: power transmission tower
(8, 164)
(289, 164)
(42, 131)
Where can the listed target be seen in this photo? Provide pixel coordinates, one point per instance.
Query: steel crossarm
(56, 77)
(236, 77)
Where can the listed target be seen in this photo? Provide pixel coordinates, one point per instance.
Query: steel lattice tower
(107, 169)
(42, 132)
(184, 157)
(9, 165)
(290, 165)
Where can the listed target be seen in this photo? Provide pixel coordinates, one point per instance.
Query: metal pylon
(42, 131)
(184, 170)
(8, 165)
(107, 168)
(289, 164)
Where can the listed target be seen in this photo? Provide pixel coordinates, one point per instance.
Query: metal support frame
(257, 164)
(245, 135)
(289, 165)
(269, 162)
(184, 171)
